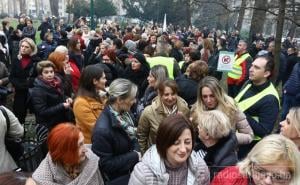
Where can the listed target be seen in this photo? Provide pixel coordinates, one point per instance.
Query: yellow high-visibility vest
(248, 102)
(181, 64)
(165, 61)
(237, 71)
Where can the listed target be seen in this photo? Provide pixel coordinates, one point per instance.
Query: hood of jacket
(152, 159)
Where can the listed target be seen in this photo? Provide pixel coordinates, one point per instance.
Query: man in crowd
(259, 100)
(239, 73)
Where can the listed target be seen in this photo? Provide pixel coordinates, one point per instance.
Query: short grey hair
(61, 49)
(215, 122)
(121, 88)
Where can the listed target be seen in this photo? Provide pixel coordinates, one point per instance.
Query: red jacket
(230, 176)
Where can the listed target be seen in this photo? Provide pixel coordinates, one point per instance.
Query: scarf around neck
(54, 83)
(125, 121)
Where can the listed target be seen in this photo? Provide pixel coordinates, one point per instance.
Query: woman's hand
(68, 103)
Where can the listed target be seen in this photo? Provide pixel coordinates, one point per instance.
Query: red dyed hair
(63, 144)
(58, 59)
(111, 54)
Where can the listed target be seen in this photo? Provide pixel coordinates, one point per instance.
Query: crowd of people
(142, 106)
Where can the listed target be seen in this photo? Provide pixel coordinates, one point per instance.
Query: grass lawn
(36, 23)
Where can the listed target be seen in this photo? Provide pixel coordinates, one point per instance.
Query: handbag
(13, 145)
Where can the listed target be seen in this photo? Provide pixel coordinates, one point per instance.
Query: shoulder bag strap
(7, 120)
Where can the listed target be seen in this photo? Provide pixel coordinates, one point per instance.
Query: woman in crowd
(212, 96)
(157, 75)
(213, 60)
(114, 137)
(16, 178)
(290, 127)
(4, 91)
(188, 82)
(68, 162)
(29, 31)
(207, 49)
(273, 160)
(168, 102)
(63, 70)
(172, 160)
(75, 72)
(50, 104)
(47, 46)
(75, 53)
(137, 72)
(89, 104)
(15, 131)
(218, 144)
(22, 76)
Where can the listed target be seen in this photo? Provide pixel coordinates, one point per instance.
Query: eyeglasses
(278, 178)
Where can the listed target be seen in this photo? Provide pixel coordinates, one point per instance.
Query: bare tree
(22, 6)
(37, 7)
(241, 15)
(54, 7)
(296, 17)
(279, 30)
(258, 17)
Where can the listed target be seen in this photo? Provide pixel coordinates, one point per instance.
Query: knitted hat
(141, 58)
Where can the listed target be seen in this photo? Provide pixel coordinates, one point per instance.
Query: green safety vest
(247, 103)
(181, 64)
(237, 71)
(165, 61)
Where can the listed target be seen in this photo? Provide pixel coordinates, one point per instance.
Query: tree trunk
(279, 30)
(296, 16)
(241, 15)
(69, 14)
(15, 8)
(37, 6)
(54, 7)
(258, 18)
(22, 6)
(188, 13)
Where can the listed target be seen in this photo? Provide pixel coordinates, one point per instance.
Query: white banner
(225, 61)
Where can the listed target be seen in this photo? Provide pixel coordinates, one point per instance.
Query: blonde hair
(271, 150)
(225, 103)
(295, 117)
(31, 44)
(215, 122)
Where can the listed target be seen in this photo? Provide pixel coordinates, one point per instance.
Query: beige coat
(151, 118)
(16, 130)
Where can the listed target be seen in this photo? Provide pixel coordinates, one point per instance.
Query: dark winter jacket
(220, 155)
(44, 28)
(48, 104)
(292, 86)
(45, 48)
(187, 89)
(114, 147)
(29, 32)
(77, 59)
(290, 63)
(266, 109)
(22, 79)
(213, 65)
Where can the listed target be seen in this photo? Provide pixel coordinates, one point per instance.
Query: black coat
(187, 89)
(48, 104)
(114, 147)
(22, 79)
(220, 155)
